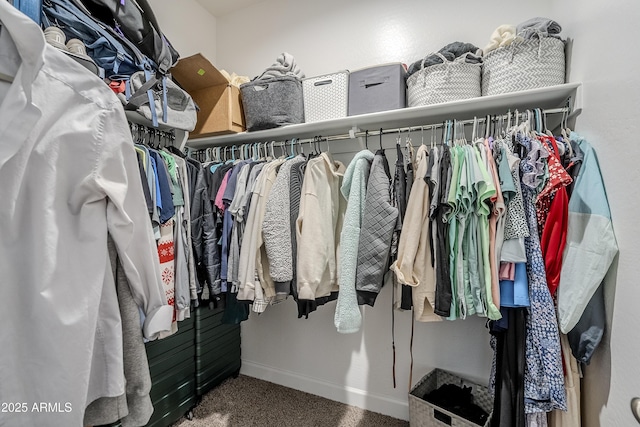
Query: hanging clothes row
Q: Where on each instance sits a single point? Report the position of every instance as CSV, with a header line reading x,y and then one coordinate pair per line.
x,y
182,223
255,259
465,227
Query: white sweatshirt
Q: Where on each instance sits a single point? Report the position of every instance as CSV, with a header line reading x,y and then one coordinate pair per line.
x,y
318,227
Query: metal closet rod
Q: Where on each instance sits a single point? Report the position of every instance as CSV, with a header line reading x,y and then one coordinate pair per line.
x,y
433,126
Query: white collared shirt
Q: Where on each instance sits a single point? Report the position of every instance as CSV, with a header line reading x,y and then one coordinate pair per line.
x,y
68,176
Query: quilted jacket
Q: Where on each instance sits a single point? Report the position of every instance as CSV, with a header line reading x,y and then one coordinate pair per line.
x,y
376,232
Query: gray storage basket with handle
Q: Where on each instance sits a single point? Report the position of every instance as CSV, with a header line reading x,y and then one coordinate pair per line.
x,y
272,103
529,64
426,414
446,82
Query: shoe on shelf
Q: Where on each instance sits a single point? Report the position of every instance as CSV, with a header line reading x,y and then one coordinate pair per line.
x,y
55,37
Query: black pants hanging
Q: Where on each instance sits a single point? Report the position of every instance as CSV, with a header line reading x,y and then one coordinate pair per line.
x,y
508,405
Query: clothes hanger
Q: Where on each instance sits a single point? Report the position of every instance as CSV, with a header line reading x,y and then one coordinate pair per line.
x,y
408,148
141,135
326,138
301,148
291,145
462,134
563,131
455,133
432,135
380,135
366,139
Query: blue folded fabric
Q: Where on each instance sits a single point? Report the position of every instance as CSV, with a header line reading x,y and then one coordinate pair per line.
x,y
515,293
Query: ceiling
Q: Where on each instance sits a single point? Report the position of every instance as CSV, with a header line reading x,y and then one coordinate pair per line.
x,y
222,7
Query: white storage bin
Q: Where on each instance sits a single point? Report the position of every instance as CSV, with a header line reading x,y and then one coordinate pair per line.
x,y
326,97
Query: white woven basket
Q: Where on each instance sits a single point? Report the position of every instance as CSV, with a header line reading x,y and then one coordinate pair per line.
x,y
449,81
326,97
425,414
530,64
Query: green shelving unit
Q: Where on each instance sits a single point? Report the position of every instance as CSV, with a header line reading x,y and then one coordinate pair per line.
x,y
185,366
217,349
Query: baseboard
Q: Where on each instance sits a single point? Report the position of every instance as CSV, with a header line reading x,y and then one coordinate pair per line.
x,y
349,395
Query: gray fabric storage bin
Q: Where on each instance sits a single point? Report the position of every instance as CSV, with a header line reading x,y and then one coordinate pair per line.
x,y
378,88
272,103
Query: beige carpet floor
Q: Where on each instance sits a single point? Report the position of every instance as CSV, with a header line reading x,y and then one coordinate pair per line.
x,y
247,402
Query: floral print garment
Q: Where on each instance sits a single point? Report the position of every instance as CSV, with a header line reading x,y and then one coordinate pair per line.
x,y
544,377
558,177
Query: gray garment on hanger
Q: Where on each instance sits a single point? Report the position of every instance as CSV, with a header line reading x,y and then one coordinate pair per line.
x,y
376,232
182,284
134,408
276,228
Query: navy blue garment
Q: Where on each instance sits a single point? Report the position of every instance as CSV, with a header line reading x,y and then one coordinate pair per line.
x,y
168,209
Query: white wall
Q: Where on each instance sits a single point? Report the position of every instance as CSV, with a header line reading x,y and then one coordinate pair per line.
x,y
189,26
611,82
329,36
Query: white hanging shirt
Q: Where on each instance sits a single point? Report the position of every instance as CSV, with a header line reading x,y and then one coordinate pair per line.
x,y
68,175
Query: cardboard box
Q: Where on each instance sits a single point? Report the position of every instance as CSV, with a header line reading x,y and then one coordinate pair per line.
x,y
219,101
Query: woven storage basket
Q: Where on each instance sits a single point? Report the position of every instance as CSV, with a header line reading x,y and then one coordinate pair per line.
x,y
533,63
326,97
425,414
449,81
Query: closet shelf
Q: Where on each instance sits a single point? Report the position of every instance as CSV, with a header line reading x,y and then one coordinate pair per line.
x,y
547,97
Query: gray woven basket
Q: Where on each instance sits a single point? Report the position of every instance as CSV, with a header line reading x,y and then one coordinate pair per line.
x,y
449,81
425,414
530,64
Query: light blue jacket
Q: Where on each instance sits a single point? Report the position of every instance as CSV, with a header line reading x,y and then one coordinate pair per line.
x,y
354,188
591,242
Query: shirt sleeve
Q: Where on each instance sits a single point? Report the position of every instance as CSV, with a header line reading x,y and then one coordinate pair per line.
x,y
117,176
